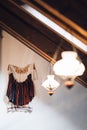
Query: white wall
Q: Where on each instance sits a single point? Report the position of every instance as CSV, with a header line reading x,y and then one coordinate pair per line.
x,y
65,110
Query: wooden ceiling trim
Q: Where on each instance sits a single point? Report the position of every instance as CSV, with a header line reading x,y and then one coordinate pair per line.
x,y
26,42
69,9
34,22
82,82
83,40
29,19
22,28
12,26
71,25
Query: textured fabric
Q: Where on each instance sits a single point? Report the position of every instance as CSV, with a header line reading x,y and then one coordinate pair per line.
x,y
20,93
20,73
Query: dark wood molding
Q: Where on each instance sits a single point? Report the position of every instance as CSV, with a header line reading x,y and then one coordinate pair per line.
x,y
32,33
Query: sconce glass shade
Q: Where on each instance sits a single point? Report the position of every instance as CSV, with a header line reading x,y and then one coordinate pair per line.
x,y
50,84
69,66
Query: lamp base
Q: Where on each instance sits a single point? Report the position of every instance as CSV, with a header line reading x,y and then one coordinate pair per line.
x,y
50,93
69,83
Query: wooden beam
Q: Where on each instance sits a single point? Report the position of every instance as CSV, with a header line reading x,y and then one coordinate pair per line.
x,y
31,33
28,35
68,23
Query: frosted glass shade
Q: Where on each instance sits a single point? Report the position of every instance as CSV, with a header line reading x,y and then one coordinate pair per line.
x,y
50,84
69,66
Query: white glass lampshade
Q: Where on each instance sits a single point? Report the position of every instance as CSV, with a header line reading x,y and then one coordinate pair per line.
x,y
69,66
50,84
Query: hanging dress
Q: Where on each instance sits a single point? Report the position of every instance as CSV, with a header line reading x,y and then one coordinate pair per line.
x,y
20,93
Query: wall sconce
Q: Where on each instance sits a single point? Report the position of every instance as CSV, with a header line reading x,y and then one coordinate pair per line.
x,y
50,84
69,67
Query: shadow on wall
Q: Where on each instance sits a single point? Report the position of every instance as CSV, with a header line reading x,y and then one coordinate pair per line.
x,y
70,105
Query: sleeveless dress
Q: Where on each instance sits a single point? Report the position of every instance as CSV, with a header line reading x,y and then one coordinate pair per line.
x,y
20,93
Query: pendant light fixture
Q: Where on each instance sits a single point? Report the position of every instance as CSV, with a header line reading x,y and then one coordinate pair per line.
x,y
50,84
69,67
